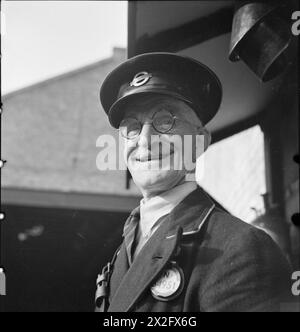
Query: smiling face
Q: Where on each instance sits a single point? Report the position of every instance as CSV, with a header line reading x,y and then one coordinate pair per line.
x,y
154,163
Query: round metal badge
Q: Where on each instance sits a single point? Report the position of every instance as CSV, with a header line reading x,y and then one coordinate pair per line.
x,y
169,285
140,78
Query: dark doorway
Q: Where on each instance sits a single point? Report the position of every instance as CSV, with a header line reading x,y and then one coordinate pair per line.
x,y
52,256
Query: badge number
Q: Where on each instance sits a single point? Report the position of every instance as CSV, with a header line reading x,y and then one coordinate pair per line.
x,y
170,285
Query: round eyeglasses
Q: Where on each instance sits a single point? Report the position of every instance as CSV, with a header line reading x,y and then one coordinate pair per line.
x,y
162,122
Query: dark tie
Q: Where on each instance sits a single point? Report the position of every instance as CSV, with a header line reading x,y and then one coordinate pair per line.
x,y
130,229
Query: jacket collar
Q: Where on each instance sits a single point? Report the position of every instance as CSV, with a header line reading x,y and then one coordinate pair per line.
x,y
134,214
197,203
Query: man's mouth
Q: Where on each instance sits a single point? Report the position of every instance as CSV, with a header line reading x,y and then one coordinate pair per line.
x,y
146,158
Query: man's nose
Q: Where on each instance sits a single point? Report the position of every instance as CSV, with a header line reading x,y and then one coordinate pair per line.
x,y
145,135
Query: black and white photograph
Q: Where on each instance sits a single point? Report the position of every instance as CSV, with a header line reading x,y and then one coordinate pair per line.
x,y
150,158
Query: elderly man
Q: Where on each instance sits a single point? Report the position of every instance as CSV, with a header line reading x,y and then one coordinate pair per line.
x,y
180,252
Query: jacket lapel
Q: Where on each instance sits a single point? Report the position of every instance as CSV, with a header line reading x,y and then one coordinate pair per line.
x,y
120,268
121,265
145,268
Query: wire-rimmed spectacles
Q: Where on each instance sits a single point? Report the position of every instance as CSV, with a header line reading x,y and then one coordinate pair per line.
x,y
162,121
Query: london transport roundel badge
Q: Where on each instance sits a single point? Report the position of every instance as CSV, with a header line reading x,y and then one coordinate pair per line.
x,y
169,285
140,79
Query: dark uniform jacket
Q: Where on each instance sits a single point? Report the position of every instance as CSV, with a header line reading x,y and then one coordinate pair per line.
x,y
227,264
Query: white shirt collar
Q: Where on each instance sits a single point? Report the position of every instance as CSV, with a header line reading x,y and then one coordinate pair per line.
x,y
158,206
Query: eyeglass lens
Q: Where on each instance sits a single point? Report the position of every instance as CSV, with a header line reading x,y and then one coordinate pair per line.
x,y
162,122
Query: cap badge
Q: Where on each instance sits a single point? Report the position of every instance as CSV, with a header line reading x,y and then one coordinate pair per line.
x,y
140,78
169,285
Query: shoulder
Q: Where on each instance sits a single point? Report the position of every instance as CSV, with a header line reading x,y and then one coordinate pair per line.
x,y
228,232
249,265
241,242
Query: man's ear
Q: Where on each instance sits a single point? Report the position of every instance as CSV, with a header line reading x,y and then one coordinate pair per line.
x,y
207,138
203,139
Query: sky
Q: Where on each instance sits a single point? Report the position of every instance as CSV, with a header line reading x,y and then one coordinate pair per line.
x,y
42,39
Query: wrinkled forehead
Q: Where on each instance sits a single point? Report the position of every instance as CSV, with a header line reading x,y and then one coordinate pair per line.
x,y
146,106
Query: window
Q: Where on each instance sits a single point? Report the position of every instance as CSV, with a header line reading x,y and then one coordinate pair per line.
x,y
234,173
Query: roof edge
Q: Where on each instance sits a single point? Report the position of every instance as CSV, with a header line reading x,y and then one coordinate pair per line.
x,y
115,55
